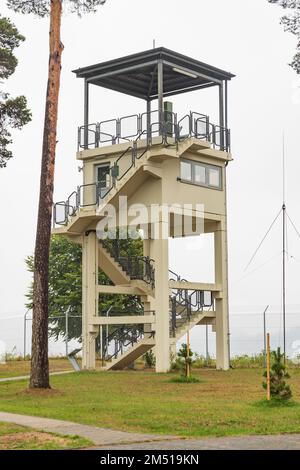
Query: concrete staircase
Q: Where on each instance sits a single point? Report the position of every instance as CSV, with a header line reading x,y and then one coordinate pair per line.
x,y
111,267
145,166
183,325
131,354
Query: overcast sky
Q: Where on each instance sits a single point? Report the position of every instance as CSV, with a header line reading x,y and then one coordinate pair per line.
x,y
243,37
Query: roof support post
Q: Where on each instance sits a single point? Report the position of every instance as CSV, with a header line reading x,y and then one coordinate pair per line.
x,y
86,114
226,104
148,121
160,93
221,111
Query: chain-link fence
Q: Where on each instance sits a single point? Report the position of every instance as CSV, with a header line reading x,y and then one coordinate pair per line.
x,y
15,334
246,333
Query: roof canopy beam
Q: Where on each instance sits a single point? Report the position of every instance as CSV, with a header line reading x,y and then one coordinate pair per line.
x,y
137,73
193,72
183,90
119,71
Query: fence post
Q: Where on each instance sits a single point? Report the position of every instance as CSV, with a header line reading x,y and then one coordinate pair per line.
x,y
25,336
268,368
67,333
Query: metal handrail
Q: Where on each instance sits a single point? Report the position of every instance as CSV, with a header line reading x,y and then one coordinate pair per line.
x,y
177,277
219,137
136,267
188,303
168,126
123,337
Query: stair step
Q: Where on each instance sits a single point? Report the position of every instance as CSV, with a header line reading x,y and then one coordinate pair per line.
x,y
131,354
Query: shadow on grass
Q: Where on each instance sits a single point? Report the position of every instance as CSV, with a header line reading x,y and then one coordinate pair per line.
x,y
273,403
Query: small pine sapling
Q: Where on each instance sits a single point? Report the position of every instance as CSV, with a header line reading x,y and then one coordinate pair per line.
x,y
279,389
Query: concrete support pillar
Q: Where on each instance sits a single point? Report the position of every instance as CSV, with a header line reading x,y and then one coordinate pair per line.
x,y
89,298
221,277
159,252
147,301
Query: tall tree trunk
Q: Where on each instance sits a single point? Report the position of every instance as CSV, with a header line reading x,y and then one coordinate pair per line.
x,y
39,377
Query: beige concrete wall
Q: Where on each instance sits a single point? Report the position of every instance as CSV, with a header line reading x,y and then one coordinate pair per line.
x,y
174,191
164,188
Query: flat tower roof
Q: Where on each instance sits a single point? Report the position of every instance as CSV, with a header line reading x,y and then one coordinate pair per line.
x,y
137,74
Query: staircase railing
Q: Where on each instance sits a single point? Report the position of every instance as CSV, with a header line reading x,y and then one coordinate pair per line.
x,y
136,267
88,195
121,338
185,304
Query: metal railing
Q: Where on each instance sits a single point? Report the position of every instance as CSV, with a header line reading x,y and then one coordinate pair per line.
x,y
184,303
91,194
121,338
167,130
136,267
150,125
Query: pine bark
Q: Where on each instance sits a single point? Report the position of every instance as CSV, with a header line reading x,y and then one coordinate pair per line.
x,y
39,376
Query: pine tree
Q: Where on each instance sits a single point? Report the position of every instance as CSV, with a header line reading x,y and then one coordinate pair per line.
x,y
39,375
291,23
183,353
13,111
279,389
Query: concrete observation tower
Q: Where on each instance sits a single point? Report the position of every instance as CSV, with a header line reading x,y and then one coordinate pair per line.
x,y
174,168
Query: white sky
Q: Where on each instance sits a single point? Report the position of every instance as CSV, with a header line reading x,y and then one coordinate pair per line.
x,y
243,37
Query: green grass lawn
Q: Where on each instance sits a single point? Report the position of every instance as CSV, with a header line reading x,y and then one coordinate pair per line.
x,y
222,403
19,368
13,437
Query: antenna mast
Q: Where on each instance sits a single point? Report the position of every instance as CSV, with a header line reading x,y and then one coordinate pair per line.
x,y
284,251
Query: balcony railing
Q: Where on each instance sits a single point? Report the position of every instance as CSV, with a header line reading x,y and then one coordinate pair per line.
x,y
167,131
168,127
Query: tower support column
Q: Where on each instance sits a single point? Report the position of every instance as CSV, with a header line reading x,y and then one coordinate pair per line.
x,y
221,277
159,252
89,298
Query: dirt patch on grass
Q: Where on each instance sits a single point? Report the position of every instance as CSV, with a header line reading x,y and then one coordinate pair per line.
x,y
24,439
43,393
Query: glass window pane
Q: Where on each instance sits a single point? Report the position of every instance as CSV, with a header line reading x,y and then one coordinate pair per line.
x,y
200,174
214,177
186,171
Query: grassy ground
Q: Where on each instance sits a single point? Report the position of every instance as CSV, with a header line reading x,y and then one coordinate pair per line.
x,y
13,437
222,403
19,368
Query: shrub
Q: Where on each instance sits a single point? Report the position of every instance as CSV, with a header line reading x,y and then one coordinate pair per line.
x,y
149,359
279,389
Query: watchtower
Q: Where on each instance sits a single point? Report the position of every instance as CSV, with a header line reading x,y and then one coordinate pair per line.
x,y
165,174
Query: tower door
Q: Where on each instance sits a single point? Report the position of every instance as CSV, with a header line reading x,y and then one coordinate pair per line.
x,y
103,179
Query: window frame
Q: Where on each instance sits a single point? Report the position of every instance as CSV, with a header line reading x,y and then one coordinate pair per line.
x,y
188,162
207,167
99,165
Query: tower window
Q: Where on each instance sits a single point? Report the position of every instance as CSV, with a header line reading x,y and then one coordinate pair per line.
x,y
201,174
186,170
103,178
214,177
